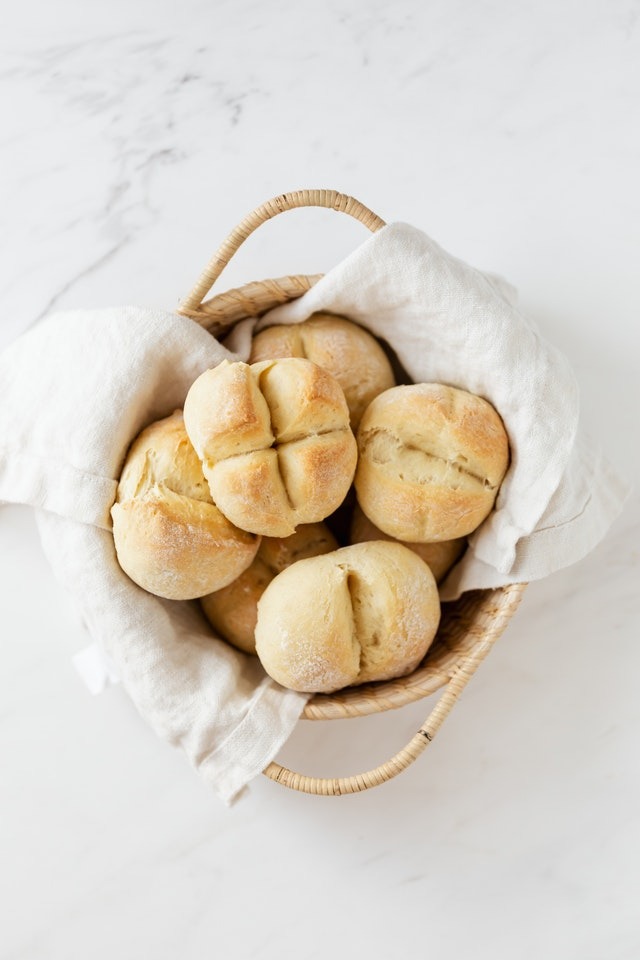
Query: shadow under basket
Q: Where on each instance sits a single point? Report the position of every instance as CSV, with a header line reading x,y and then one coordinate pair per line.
x,y
469,626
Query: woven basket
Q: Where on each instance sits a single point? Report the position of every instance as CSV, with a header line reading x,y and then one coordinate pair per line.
x,y
469,627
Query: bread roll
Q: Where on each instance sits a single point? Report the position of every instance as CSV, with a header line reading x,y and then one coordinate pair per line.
x,y
439,557
274,440
170,537
365,612
232,611
431,460
350,354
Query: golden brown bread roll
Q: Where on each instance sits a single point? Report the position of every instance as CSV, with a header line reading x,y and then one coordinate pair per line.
x,y
350,354
365,612
232,611
170,537
439,557
274,440
431,460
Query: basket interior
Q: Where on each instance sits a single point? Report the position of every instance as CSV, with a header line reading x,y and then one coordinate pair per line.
x,y
468,625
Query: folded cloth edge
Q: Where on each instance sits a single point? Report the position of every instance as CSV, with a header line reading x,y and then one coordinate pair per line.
x,y
269,703
48,484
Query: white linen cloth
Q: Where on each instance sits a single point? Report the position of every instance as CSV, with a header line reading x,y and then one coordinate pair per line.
x,y
450,323
76,389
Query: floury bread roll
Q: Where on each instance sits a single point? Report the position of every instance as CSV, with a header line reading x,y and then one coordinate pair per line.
x,y
362,613
431,461
170,537
350,354
439,557
274,441
232,611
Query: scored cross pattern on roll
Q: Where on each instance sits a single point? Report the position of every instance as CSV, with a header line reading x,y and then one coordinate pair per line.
x,y
274,441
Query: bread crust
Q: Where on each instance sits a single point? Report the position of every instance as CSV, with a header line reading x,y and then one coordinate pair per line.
x,y
281,452
233,611
361,613
170,537
431,460
349,352
439,557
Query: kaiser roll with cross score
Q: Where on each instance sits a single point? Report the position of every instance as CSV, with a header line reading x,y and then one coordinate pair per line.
x,y
274,440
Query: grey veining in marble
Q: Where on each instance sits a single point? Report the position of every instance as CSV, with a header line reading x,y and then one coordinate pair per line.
x,y
133,137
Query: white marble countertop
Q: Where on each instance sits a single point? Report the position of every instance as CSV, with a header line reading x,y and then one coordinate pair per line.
x,y
134,136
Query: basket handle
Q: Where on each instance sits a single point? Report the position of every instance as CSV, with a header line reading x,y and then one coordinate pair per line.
x,y
330,199
336,786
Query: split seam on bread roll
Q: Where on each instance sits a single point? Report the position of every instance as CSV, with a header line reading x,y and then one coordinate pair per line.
x,y
431,460
419,465
361,613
